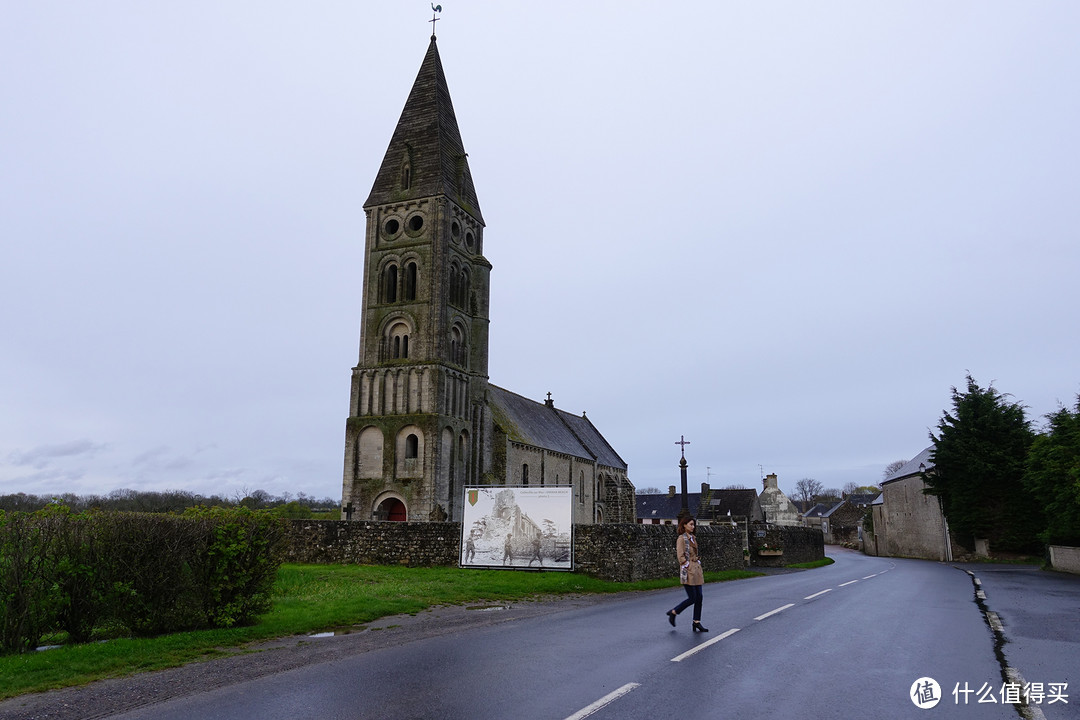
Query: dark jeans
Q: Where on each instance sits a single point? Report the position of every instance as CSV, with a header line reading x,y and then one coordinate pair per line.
x,y
693,597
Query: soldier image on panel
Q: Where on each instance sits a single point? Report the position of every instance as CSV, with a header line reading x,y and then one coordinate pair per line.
x,y
536,551
508,549
470,549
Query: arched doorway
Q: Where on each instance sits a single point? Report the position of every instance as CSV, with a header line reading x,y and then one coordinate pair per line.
x,y
391,509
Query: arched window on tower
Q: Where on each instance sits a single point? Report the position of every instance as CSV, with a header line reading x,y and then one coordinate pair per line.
x,y
525,474
455,283
463,289
459,350
390,282
412,447
410,282
397,341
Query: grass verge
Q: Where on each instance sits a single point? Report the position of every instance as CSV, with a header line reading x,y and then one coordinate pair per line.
x,y
307,599
814,564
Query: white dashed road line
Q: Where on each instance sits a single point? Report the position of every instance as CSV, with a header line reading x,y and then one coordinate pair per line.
x,y
702,646
606,700
629,687
773,612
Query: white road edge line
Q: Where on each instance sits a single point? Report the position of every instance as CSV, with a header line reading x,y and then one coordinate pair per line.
x,y
811,597
773,612
849,582
702,646
606,700
1033,712
870,576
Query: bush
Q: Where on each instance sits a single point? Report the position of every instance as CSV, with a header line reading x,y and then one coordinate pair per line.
x,y
28,593
149,573
236,571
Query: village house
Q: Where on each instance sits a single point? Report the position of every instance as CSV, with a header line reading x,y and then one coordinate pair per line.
x,y
906,521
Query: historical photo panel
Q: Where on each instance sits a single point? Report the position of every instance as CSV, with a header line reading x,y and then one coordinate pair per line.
x,y
517,527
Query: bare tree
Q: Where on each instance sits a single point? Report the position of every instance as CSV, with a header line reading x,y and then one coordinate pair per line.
x,y
807,489
893,467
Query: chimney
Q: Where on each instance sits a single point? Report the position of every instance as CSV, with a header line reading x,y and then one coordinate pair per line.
x,y
769,481
671,491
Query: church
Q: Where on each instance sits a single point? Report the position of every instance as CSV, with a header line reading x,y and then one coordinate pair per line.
x,y
424,422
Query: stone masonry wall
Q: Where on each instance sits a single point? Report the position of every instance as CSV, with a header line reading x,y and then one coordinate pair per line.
x,y
620,552
415,544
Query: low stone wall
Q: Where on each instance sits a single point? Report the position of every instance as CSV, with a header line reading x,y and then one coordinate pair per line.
x,y
1064,558
415,544
800,544
622,552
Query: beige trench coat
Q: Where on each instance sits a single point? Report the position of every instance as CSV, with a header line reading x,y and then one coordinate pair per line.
x,y
686,550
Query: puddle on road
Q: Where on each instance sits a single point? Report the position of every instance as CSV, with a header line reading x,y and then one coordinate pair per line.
x,y
487,608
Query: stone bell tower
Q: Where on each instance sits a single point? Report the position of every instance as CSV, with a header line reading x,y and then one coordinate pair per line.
x,y
418,407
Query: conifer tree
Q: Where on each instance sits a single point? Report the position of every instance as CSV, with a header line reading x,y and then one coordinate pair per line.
x,y
979,457
1053,476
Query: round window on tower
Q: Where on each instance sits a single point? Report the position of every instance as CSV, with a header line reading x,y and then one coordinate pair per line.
x,y
415,224
455,231
391,227
470,240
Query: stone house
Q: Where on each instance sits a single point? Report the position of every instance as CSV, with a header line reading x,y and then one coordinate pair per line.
x,y
663,508
907,522
424,421
776,506
814,514
708,506
842,522
722,505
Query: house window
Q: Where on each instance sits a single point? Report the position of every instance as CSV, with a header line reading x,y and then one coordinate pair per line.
x,y
525,474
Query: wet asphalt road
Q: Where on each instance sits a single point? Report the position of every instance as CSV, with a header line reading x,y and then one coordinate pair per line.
x,y
843,641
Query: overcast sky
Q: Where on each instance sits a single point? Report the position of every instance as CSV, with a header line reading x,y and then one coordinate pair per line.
x,y
783,230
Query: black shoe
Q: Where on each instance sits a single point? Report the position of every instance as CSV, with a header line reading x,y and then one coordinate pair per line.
x,y
698,627
671,617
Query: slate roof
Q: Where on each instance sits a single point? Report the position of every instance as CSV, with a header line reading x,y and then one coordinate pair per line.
x,y
543,426
861,499
740,503
911,467
427,132
822,509
662,507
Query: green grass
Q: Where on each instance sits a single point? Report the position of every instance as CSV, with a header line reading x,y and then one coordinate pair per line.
x,y
814,563
307,599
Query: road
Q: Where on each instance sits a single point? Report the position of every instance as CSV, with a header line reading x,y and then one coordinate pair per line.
x,y
843,641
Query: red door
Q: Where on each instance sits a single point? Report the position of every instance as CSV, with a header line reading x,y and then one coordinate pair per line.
x,y
393,510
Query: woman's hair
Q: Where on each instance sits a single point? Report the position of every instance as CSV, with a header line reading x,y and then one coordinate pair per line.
x,y
682,523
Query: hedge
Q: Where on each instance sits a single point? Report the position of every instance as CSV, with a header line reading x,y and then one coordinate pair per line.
x,y
136,573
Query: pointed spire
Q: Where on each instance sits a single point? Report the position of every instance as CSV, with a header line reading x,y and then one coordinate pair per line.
x,y
426,156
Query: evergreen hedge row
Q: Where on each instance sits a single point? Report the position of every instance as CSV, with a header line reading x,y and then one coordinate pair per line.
x,y
133,573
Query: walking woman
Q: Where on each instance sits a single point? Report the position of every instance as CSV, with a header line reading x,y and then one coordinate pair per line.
x,y
690,573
